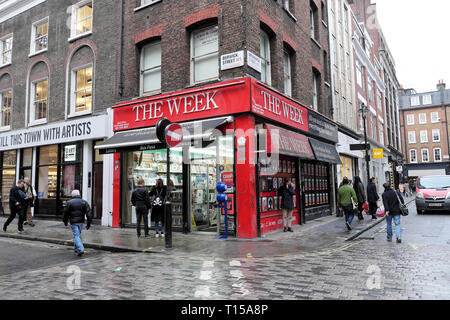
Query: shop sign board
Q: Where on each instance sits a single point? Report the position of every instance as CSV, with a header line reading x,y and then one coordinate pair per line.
x,y
232,60
322,127
377,153
325,152
55,133
270,104
220,99
228,178
283,141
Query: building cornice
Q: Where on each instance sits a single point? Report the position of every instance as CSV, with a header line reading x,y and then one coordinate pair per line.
x,y
12,8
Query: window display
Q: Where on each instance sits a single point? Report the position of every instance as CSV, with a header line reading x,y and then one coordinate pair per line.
x,y
315,184
8,176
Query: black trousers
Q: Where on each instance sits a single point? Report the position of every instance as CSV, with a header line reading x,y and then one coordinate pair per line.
x,y
373,209
21,215
141,213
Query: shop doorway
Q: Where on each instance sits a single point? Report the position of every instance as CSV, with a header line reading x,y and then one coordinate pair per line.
x,y
97,187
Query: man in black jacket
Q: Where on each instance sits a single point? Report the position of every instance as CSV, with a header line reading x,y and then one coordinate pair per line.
x,y
16,201
141,200
287,193
372,197
392,210
75,211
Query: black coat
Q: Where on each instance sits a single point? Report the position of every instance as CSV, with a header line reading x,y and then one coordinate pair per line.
x,y
287,194
372,194
75,211
158,196
16,195
359,190
391,203
140,198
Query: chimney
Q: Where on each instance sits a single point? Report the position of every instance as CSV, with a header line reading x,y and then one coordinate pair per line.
x,y
440,85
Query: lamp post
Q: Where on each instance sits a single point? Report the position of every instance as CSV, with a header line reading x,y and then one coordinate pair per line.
x,y
363,111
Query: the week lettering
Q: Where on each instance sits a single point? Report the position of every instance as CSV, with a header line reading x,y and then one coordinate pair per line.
x,y
282,108
188,104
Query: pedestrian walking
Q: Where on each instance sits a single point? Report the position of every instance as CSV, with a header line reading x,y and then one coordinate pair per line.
x,y
141,201
345,199
391,202
158,196
412,187
16,202
361,195
75,212
286,192
30,195
372,197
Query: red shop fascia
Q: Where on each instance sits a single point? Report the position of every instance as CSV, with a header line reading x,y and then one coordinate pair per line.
x,y
253,105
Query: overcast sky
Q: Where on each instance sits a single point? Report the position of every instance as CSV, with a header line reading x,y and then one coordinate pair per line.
x,y
418,36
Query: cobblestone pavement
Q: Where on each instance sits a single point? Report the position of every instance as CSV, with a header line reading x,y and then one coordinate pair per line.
x,y
366,268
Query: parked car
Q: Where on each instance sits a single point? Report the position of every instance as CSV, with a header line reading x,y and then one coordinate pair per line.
x,y
433,193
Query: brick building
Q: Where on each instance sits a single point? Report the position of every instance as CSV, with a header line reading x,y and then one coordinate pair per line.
x,y
265,64
55,86
424,129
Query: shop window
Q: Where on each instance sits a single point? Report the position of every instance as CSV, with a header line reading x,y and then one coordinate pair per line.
x,y
82,17
6,108
26,163
151,68
82,90
7,176
287,73
39,36
205,54
6,50
315,184
265,58
38,103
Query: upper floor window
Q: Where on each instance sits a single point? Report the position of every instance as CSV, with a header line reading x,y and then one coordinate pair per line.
x,y
381,133
146,2
39,101
286,4
151,68
379,99
82,90
436,133
204,54
313,20
437,155
370,88
359,74
410,119
39,36
423,136
411,137
265,57
287,74
426,99
434,117
415,100
82,16
425,157
413,156
315,90
422,118
6,50
6,106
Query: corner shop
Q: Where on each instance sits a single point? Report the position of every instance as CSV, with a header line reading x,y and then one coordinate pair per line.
x,y
241,130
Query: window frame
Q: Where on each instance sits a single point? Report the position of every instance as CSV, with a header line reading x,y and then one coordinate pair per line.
x,y
437,116
427,152
440,154
415,155
427,101
32,108
2,51
74,20
7,127
142,72
287,72
192,58
73,76
415,101
408,118
409,137
315,91
266,59
421,136
439,135
425,120
33,36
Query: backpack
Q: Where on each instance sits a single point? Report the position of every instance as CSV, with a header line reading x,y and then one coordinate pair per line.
x,y
157,201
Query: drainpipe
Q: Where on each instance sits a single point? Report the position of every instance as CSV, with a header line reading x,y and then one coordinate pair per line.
x,y
121,49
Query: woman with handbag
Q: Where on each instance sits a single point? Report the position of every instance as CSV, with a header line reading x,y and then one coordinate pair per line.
x,y
361,195
393,205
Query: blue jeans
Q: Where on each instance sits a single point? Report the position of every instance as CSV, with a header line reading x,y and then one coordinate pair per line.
x,y
76,230
157,226
398,228
349,213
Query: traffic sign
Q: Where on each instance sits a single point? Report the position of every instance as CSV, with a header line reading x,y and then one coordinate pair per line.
x,y
360,146
173,134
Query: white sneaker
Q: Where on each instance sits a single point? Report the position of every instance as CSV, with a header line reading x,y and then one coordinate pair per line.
x,y
162,235
157,235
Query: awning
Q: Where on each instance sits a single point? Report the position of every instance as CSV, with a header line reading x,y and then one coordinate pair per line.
x,y
286,142
146,139
325,152
429,172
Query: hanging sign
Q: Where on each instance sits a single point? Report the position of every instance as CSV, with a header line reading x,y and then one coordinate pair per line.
x,y
377,153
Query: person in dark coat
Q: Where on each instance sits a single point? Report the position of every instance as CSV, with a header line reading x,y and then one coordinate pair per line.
x,y
287,203
392,210
158,195
29,201
16,203
372,198
361,195
141,200
76,210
